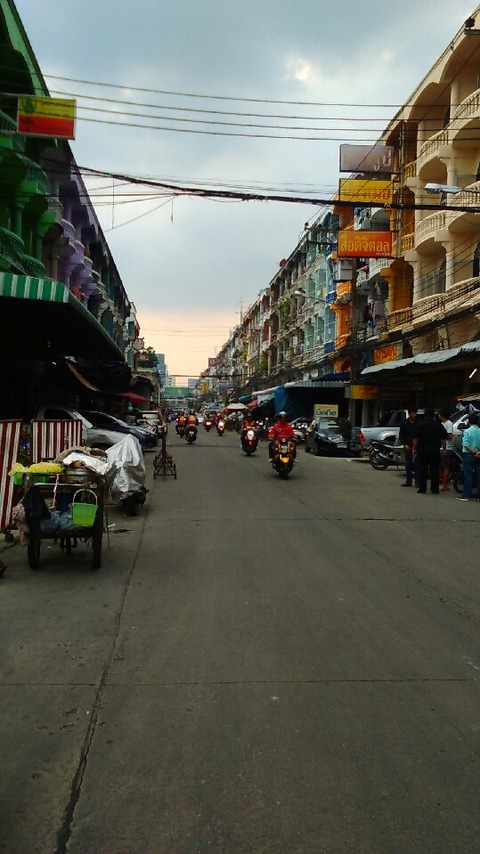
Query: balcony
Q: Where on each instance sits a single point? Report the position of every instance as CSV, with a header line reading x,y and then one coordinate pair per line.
x,y
427,308
469,198
468,110
427,229
11,246
399,319
432,147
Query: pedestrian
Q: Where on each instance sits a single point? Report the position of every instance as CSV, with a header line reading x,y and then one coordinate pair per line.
x,y
471,457
406,434
447,453
429,437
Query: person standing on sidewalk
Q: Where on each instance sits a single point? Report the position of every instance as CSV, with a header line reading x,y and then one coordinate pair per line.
x,y
447,453
406,434
429,437
471,457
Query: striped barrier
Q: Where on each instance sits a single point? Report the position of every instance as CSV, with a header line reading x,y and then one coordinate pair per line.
x,y
49,438
10,435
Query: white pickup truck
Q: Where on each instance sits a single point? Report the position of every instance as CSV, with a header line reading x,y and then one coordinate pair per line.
x,y
387,429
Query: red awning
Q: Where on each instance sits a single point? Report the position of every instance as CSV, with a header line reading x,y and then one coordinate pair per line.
x,y
253,403
134,397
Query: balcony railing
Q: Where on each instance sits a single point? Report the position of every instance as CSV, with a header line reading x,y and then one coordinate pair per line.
x,y
468,109
427,306
429,226
432,146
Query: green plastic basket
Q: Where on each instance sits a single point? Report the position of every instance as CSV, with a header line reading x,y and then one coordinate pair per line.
x,y
83,513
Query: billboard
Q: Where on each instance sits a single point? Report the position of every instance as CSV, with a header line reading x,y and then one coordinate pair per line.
x,y
360,191
364,244
46,116
366,158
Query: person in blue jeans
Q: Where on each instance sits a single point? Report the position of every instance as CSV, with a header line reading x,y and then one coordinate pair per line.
x,y
471,457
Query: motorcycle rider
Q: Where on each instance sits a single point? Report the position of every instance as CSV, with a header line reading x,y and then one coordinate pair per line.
x,y
191,420
181,420
248,423
281,430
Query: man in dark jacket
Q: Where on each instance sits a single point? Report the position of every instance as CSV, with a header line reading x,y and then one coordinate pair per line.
x,y
406,434
430,436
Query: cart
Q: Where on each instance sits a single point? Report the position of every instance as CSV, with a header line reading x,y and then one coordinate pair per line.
x,y
66,488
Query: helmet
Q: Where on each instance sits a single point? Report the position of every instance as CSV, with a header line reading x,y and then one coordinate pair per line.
x,y
282,414
191,412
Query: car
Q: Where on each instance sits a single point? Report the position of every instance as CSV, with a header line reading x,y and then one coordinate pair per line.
x,y
104,421
333,436
152,417
94,437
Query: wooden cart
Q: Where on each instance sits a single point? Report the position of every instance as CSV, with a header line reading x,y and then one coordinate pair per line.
x,y
65,488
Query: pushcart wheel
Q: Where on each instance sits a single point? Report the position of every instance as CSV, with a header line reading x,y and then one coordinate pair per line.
x,y
97,533
33,547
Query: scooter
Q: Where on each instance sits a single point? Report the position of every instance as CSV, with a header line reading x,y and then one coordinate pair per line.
x,y
283,457
249,441
384,454
208,424
191,433
220,426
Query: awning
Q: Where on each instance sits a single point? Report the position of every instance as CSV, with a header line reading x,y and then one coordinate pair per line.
x,y
135,398
428,361
321,382
43,316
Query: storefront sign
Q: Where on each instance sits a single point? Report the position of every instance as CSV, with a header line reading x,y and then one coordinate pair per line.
x,y
364,192
366,158
46,116
365,392
325,410
389,353
364,244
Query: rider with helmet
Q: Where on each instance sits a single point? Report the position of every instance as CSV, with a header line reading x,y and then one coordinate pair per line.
x,y
282,429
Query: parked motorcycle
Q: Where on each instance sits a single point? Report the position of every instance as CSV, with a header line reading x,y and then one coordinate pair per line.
x,y
249,441
220,426
384,454
283,457
208,424
191,433
126,474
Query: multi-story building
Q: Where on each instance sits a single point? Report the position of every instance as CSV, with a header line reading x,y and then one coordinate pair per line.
x,y
404,329
60,291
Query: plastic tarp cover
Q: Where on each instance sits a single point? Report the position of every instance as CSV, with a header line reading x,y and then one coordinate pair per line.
x,y
126,469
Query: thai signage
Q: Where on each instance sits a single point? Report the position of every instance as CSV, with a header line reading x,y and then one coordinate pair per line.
x,y
364,244
325,410
366,158
46,116
359,191
389,353
365,392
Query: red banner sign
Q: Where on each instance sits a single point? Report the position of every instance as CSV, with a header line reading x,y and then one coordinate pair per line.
x,y
364,244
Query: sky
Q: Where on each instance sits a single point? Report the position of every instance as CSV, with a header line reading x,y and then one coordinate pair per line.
x,y
226,69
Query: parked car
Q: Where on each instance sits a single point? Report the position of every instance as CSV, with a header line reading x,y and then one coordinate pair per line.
x,y
333,436
104,421
94,437
152,417
388,428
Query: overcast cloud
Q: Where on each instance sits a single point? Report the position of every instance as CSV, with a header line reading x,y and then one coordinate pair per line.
x,y
191,265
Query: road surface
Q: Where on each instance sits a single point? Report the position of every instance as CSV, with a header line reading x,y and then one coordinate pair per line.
x,y
259,666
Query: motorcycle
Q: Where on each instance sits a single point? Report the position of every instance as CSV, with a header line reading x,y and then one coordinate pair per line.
x,y
126,474
180,429
283,457
220,426
249,441
191,433
208,424
384,454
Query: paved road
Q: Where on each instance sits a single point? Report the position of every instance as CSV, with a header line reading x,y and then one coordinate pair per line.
x,y
259,666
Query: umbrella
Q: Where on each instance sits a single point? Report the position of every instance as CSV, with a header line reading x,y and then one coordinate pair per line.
x,y
235,407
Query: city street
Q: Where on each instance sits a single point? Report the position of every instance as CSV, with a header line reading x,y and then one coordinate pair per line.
x,y
259,666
